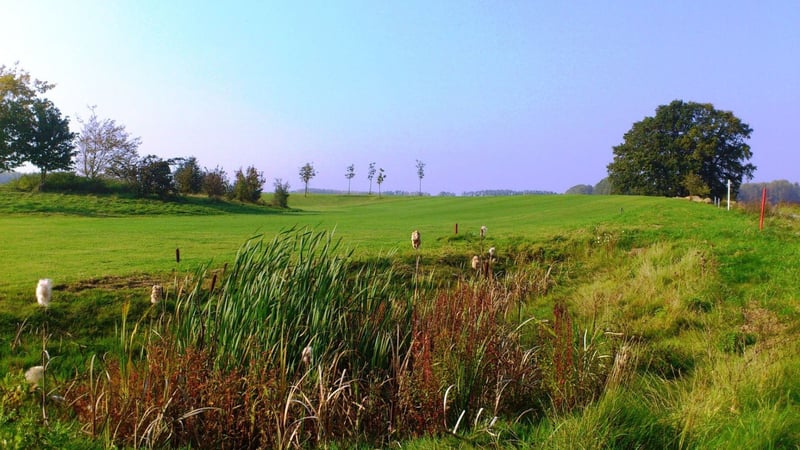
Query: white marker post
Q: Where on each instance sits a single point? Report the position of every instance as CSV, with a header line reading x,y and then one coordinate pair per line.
x,y
729,195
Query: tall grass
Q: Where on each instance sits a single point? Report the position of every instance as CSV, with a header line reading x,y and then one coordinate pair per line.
x,y
295,346
293,292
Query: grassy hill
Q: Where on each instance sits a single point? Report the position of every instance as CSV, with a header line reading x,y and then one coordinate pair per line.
x,y
69,238
682,316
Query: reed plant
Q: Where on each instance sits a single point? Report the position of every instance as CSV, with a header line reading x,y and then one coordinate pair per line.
x,y
295,291
294,345
291,347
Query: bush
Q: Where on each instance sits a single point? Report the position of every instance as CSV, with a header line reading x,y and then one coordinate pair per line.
x,y
215,183
281,196
188,177
248,186
154,177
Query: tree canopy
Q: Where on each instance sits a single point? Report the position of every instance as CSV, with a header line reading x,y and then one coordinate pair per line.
x,y
687,148
188,176
18,97
248,185
49,142
420,174
307,172
349,174
105,148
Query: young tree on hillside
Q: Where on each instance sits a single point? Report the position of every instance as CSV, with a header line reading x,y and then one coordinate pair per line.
x,y
281,196
50,144
381,178
420,174
371,175
215,183
106,148
248,185
349,174
188,176
307,172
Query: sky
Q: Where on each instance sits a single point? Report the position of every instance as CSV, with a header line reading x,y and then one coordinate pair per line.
x,y
520,95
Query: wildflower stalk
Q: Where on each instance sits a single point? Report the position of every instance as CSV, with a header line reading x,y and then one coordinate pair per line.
x,y
45,361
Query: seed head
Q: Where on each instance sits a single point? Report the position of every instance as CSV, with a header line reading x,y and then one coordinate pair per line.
x,y
415,240
483,231
307,355
492,252
44,290
475,262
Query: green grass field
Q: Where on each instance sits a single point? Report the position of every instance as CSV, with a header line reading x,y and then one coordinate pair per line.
x,y
696,300
67,240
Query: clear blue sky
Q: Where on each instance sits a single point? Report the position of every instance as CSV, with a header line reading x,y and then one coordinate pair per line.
x,y
489,94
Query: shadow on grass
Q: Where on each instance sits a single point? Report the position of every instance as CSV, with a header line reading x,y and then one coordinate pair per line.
x,y
115,205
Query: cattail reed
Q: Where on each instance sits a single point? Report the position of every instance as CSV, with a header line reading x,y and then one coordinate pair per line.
x,y
476,262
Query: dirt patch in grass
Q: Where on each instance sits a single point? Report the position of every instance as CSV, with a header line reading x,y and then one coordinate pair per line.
x,y
112,282
763,323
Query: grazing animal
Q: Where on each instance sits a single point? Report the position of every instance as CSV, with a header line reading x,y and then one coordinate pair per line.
x,y
44,291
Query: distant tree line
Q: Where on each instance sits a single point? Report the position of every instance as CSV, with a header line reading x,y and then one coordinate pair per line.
x,y
103,156
778,191
503,192
603,187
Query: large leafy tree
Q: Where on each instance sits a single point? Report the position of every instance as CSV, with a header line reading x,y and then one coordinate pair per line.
x,y
18,95
105,148
50,143
686,148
